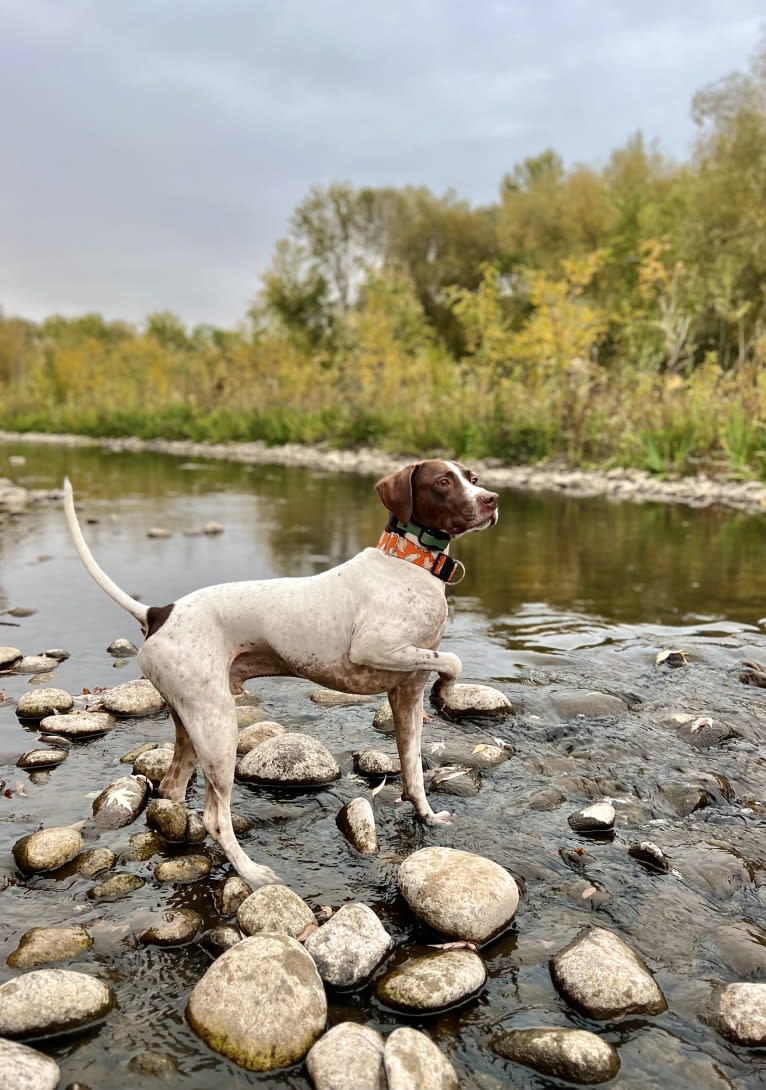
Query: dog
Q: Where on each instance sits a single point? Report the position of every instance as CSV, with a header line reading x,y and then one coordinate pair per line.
x,y
371,625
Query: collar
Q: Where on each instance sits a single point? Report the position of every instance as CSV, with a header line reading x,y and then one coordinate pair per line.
x,y
426,552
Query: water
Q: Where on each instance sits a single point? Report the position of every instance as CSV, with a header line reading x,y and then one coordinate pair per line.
x,y
563,597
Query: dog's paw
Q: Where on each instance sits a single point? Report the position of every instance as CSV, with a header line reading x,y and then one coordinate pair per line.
x,y
262,876
444,817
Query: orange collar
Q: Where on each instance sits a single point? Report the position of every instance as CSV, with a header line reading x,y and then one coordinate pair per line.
x,y
435,561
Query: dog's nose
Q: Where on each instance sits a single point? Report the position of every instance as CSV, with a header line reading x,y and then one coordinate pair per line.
x,y
489,499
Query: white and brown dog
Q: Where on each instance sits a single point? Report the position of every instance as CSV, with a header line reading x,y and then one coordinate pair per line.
x,y
370,625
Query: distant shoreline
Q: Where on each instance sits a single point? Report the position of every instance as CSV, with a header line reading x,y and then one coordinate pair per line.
x,y
632,485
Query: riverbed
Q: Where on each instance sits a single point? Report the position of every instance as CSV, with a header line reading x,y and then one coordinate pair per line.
x,y
568,600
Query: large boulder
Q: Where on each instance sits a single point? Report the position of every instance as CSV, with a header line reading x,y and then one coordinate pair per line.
x,y
50,1001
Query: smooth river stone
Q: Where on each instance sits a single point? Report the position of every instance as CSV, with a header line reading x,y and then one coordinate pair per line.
x,y
576,1055
134,698
254,733
598,818
174,928
184,869
79,725
412,1060
356,821
9,656
603,978
36,664
121,802
48,1001
274,908
42,945
168,818
153,763
466,700
738,1011
116,886
348,947
261,1004
40,703
459,894
47,849
372,762
443,978
290,759
24,1068
347,1057
41,758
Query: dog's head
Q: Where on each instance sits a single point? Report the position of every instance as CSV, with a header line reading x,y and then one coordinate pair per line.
x,y
439,495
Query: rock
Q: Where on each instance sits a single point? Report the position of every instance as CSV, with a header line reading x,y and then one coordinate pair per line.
x,y
371,762
433,982
212,527
47,849
185,869
41,758
79,725
684,798
741,946
673,659
9,656
347,1057
261,1004
347,948
576,1055
39,703
143,846
134,698
35,664
254,733
383,720
603,978
23,1068
57,653
121,802
153,764
175,928
479,755
122,648
115,886
235,891
47,1001
589,705
168,818
153,1065
289,759
195,827
357,823
275,908
597,819
220,939
738,1012
159,532
131,757
247,714
95,860
650,856
412,1060
462,783
466,701
45,944
330,698
459,894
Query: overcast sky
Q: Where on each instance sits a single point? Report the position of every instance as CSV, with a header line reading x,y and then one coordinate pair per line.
x,y
152,151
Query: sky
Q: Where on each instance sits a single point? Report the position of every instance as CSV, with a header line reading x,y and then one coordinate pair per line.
x,y
152,151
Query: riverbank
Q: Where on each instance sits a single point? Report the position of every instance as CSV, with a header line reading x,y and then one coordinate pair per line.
x,y
619,484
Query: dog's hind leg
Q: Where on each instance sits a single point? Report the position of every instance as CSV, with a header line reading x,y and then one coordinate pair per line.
x,y
406,702
176,779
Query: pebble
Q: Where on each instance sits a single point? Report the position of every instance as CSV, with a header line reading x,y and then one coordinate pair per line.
x,y
79,725
185,869
175,928
121,802
466,701
45,944
383,720
41,758
433,982
412,1060
459,894
116,886
133,698
650,856
122,648
154,763
40,703
289,759
597,819
47,849
348,1057
274,908
738,1011
576,1055
347,948
57,653
47,1001
235,891
601,976
220,939
254,733
168,818
356,821
371,762
24,1068
261,1004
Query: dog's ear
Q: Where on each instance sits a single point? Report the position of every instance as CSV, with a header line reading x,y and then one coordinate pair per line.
x,y
395,492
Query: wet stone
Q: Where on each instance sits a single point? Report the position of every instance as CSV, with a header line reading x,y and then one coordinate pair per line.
x,y
121,802
738,1011
131,757
220,939
274,908
9,656
154,1065
347,948
459,894
195,828
95,860
347,1057
261,1004
248,714
289,759
79,725
35,664
650,856
41,758
330,698
47,849
461,783
143,846
466,701
134,698
371,762
357,823
479,755
412,1060
597,819
588,705
254,733
168,818
186,868
57,653
576,1055
24,1068
684,798
601,976
46,1001
383,720
235,891
122,648
176,927
741,947
433,982
42,945
153,764
116,886
40,703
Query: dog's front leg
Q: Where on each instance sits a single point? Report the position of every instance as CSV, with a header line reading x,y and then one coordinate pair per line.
x,y
406,702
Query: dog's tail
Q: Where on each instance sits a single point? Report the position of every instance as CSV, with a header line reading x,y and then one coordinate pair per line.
x,y
136,609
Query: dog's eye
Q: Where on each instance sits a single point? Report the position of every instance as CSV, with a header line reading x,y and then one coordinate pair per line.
x,y
474,479
444,482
